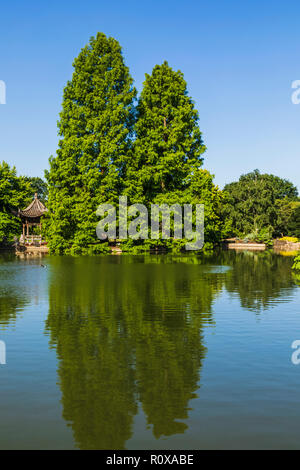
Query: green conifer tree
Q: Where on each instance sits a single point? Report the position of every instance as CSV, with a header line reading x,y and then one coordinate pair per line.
x,y
168,142
95,128
168,153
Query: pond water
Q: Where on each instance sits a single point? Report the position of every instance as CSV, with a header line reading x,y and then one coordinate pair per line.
x,y
149,352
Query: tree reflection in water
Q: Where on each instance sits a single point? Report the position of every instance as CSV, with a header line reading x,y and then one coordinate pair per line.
x,y
129,331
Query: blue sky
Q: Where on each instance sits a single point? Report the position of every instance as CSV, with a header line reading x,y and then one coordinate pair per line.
x,y
238,58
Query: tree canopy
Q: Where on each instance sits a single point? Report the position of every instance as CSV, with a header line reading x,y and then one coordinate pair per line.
x,y
95,128
253,202
152,152
293,224
165,165
168,145
108,148
39,186
14,194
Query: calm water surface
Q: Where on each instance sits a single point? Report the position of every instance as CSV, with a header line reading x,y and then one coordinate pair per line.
x,y
154,352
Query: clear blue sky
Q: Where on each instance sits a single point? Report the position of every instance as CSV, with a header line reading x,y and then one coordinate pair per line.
x,y
239,60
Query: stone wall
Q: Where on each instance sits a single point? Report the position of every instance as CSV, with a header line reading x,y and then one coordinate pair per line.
x,y
280,245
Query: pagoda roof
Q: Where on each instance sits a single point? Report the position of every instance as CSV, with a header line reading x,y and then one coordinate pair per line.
x,y
35,209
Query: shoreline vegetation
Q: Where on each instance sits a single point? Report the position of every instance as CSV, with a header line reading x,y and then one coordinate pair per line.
x,y
114,248
148,148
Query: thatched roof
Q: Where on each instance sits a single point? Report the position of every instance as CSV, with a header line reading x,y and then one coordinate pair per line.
x,y
35,209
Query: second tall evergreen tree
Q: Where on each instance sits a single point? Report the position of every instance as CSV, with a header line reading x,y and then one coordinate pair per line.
x,y
168,146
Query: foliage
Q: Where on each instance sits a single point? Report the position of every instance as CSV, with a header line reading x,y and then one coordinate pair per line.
x,y
296,265
294,223
97,160
95,128
165,166
39,186
253,202
152,153
289,239
287,216
260,236
14,194
168,145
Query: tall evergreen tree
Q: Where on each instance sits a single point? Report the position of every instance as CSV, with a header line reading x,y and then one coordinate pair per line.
x,y
95,128
168,151
168,144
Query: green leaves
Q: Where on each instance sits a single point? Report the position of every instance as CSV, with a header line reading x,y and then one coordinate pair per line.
x,y
108,148
293,223
168,143
296,265
165,165
15,193
96,125
254,203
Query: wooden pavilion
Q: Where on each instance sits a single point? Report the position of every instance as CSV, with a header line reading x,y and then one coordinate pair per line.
x,y
31,217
